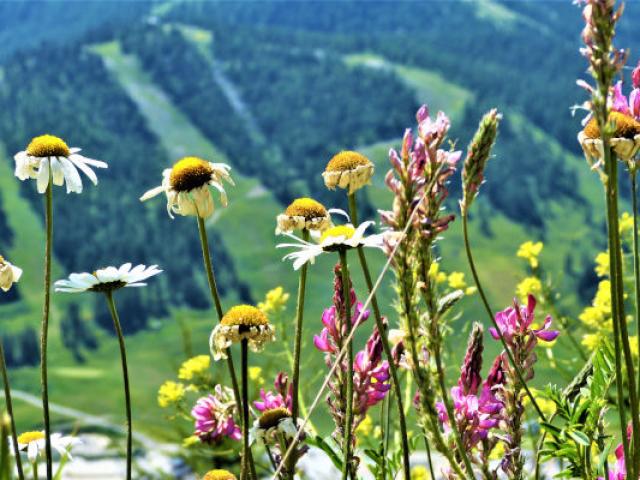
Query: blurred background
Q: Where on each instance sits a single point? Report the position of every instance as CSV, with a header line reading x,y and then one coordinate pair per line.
x,y
274,89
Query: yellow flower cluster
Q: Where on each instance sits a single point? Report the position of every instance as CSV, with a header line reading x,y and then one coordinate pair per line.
x,y
597,316
170,393
255,375
529,285
194,367
275,302
530,251
602,264
457,282
419,473
626,223
435,274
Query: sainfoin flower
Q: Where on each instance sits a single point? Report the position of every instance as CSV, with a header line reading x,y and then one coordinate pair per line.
x,y
107,279
303,213
9,274
242,322
334,239
282,397
47,157
33,443
348,170
187,186
214,414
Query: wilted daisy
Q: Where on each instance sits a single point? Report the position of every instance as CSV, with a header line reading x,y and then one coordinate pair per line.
x,y
334,239
242,322
219,475
9,274
107,279
49,152
349,170
625,141
186,186
271,424
34,444
303,213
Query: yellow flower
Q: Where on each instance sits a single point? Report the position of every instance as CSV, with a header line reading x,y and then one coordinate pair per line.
x,y
255,375
602,264
275,301
194,367
626,223
419,473
529,285
191,441
547,406
242,322
498,452
456,281
303,213
219,475
366,427
530,251
170,393
349,170
435,274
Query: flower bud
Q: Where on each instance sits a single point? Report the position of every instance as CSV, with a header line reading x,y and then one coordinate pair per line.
x,y
470,378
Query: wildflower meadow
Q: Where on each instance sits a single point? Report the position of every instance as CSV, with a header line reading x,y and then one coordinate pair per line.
x,y
384,396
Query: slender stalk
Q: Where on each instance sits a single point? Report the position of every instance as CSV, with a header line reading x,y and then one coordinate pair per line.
x,y
617,308
429,459
636,257
35,470
348,419
384,434
8,402
213,289
44,333
397,387
245,408
125,377
472,266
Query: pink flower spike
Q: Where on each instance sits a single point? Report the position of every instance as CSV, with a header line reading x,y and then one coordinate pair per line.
x,y
635,76
619,101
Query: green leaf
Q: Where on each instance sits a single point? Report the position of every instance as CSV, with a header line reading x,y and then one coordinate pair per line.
x,y
319,442
579,437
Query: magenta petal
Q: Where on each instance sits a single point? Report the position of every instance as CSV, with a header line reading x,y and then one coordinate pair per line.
x,y
547,335
494,333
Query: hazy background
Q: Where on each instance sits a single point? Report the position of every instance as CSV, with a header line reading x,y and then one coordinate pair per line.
x,y
273,89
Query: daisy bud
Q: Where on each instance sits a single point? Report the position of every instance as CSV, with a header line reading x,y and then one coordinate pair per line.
x,y
478,153
9,274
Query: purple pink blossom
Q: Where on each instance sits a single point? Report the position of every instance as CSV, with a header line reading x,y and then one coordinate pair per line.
x,y
213,416
281,398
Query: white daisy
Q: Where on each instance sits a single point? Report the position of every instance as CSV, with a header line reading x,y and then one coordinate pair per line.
x,y
349,170
332,240
303,213
273,423
186,186
625,141
34,444
242,322
48,152
9,274
107,279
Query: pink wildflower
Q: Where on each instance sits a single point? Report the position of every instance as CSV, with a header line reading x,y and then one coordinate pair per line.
x,y
213,416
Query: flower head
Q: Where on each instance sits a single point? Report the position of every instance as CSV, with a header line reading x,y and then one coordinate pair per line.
x,y
213,416
219,475
194,367
334,239
47,157
281,398
349,170
625,140
275,301
187,186
273,423
303,213
170,393
34,444
530,251
9,274
107,279
528,286
242,322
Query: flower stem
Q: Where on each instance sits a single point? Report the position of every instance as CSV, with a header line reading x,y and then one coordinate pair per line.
x,y
213,289
125,377
35,470
472,266
44,333
636,258
245,408
348,419
297,346
9,404
353,211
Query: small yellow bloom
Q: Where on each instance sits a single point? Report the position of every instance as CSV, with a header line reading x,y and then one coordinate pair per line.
x,y
275,301
547,406
194,367
219,475
602,264
626,223
457,281
435,274
498,452
255,375
529,285
170,393
366,427
419,472
530,251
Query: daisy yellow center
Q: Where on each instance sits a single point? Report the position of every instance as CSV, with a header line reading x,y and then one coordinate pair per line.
x,y
338,231
219,475
347,160
307,208
626,126
29,437
190,173
244,315
271,418
48,146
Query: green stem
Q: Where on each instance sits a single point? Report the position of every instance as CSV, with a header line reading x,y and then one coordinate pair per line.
x,y
472,266
245,408
44,333
636,257
9,404
125,377
384,434
35,470
429,459
213,289
397,387
617,307
348,420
